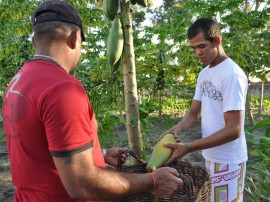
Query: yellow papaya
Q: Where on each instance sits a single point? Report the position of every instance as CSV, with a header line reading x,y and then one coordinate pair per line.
x,y
110,8
160,154
115,42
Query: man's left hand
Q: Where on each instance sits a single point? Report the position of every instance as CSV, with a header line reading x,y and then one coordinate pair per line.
x,y
111,157
179,151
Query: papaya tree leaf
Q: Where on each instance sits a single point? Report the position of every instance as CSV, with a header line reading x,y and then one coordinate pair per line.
x,y
260,124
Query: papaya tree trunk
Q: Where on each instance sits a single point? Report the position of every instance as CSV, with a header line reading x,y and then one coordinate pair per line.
x,y
118,98
130,84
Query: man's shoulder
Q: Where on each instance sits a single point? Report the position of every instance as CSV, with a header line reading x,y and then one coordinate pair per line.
x,y
233,69
49,78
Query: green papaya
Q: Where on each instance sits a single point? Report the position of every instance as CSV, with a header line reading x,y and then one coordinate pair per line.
x,y
116,66
110,8
142,2
115,42
160,154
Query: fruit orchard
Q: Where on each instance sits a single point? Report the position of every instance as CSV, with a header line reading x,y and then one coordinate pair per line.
x,y
157,60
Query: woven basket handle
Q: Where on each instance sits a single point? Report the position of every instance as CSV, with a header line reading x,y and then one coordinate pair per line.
x,y
189,184
131,153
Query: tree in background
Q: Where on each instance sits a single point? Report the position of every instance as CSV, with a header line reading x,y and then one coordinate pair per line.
x,y
246,38
245,26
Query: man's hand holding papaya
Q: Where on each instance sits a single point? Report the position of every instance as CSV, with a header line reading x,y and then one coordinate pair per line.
x,y
179,151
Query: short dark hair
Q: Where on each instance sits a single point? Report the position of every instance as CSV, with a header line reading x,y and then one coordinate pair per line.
x,y
209,27
49,31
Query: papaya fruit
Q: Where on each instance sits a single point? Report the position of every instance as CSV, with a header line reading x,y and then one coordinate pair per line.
x,y
110,8
115,42
160,154
142,2
115,67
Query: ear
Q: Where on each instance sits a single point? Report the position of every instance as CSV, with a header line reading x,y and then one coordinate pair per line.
x,y
217,40
72,39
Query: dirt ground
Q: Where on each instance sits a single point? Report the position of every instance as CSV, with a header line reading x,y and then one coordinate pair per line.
x,y
7,188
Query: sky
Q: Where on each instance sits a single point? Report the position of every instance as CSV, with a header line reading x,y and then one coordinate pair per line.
x,y
157,3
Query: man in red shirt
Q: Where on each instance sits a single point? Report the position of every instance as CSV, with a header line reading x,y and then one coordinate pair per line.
x,y
50,126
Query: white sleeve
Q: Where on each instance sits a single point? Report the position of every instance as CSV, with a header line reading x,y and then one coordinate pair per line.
x,y
234,93
198,93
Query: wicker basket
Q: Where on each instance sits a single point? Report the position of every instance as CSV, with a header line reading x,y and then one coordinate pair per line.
x,y
197,184
204,194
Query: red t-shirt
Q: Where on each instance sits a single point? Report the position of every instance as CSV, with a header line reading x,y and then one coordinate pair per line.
x,y
46,113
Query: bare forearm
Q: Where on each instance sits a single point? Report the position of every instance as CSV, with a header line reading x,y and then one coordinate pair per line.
x,y
230,132
189,119
82,179
114,184
218,138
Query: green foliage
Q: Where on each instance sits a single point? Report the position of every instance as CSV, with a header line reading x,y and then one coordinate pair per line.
x,y
255,102
248,33
245,39
16,31
147,142
258,185
170,105
267,104
176,103
169,122
15,46
102,94
160,80
106,126
2,137
145,109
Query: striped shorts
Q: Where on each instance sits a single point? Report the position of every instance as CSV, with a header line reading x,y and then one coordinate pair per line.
x,y
227,181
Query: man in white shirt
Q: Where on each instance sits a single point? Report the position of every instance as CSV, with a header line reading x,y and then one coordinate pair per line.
x,y
219,100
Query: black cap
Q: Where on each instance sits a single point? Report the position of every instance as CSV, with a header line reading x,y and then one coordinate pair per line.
x,y
57,10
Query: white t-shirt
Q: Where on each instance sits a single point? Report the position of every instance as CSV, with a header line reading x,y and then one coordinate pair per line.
x,y
220,89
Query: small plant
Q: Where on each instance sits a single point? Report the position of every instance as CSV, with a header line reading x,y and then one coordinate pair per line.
x,y
258,183
168,122
266,103
145,109
174,103
148,142
254,100
106,126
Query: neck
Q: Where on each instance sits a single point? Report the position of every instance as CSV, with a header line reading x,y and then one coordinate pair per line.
x,y
221,56
49,58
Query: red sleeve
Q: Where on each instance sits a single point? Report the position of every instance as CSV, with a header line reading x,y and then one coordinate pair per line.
x,y
68,118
